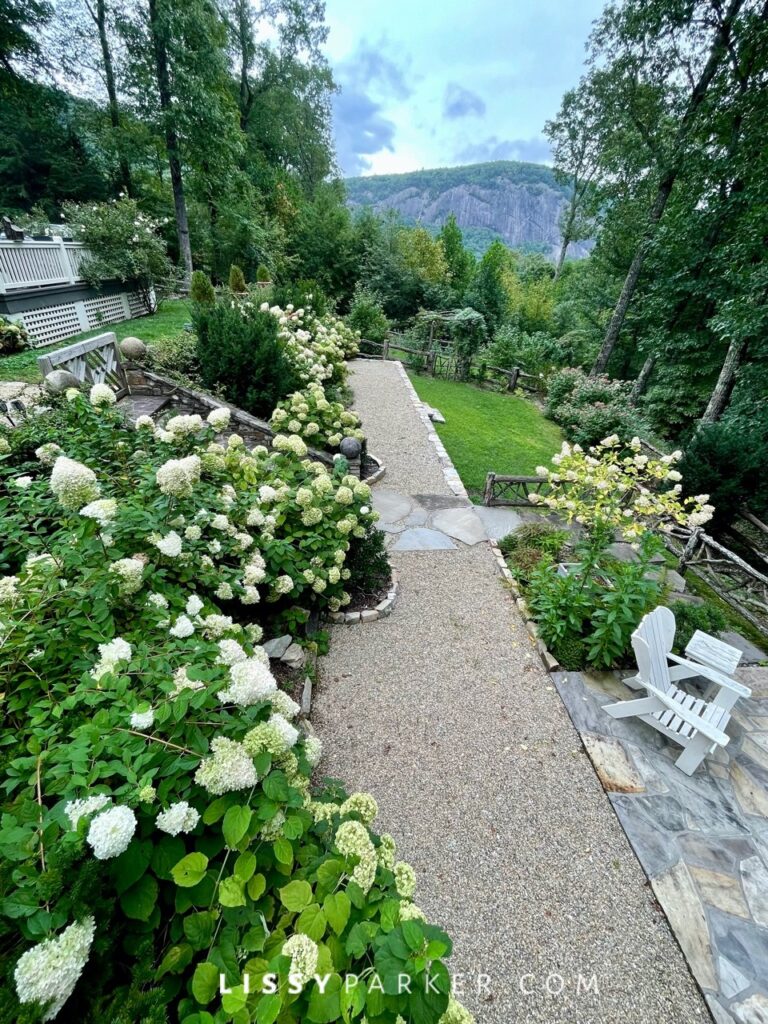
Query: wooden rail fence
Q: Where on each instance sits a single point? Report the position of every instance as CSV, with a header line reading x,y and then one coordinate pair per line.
x,y
440,360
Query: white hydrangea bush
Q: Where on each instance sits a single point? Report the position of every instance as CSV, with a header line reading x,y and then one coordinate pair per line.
x,y
160,824
320,422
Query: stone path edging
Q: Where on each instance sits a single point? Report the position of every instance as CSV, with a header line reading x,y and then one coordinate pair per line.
x,y
382,609
377,474
452,478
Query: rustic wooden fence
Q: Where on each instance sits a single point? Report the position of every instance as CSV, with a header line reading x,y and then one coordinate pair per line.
x,y
439,360
735,581
512,490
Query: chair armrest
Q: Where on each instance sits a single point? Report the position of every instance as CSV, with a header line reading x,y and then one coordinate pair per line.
x,y
688,716
712,675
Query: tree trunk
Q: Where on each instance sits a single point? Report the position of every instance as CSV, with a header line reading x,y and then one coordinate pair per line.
x,y
725,382
717,53
642,380
566,241
171,143
100,17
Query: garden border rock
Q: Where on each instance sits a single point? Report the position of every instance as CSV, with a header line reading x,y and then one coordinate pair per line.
x,y
381,611
377,474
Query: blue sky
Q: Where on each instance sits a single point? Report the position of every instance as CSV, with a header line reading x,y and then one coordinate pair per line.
x,y
433,83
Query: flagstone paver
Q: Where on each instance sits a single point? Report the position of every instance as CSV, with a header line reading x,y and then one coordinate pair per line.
x,y
444,713
700,839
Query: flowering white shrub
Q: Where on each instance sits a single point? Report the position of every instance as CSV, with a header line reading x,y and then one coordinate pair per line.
x,y
605,488
322,423
157,785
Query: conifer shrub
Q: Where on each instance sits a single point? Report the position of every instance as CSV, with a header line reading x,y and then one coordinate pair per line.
x,y
201,290
242,356
237,280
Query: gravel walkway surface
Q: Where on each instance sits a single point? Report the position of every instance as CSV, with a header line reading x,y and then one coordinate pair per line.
x,y
443,712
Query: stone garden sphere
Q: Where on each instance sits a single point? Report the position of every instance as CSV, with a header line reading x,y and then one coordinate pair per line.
x,y
350,448
133,349
59,381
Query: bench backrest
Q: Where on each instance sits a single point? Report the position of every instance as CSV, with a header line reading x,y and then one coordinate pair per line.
x,y
95,361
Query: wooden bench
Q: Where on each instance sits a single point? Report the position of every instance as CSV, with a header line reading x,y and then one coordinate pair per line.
x,y
97,361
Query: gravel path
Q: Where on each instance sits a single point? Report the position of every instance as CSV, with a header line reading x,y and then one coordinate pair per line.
x,y
445,715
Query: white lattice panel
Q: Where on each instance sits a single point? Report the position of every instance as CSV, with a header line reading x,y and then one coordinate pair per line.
x,y
105,309
136,304
50,323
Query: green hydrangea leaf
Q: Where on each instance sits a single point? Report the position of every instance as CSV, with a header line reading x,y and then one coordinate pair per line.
x,y
190,870
296,895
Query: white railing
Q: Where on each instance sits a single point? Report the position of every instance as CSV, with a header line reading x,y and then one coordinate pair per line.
x,y
31,264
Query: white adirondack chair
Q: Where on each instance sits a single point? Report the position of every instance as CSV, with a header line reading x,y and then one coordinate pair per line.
x,y
697,723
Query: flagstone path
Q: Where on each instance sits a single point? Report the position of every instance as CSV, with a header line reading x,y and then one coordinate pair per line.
x,y
444,713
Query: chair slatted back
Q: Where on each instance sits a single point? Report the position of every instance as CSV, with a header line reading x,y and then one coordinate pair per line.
x,y
652,641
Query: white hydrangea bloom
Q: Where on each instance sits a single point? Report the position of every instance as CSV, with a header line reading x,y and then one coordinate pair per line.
x,y
73,483
177,477
313,750
230,768
194,605
283,584
284,705
193,532
23,482
405,880
103,511
109,655
303,952
250,595
130,572
219,418
288,733
9,589
110,832
215,626
169,545
158,600
182,628
47,973
145,423
181,426
250,682
362,804
143,719
48,453
231,652
180,817
102,394
181,681
77,809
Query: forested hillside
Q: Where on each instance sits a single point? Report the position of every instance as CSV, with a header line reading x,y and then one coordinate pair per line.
x,y
518,203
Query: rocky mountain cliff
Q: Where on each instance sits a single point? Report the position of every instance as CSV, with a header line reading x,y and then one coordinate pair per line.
x,y
519,203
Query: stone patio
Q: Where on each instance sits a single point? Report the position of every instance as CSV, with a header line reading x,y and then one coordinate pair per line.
x,y
703,840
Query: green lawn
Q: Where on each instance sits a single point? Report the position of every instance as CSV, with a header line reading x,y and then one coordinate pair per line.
x,y
167,322
485,430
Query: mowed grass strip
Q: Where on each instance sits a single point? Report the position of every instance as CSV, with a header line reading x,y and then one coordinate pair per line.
x,y
485,430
